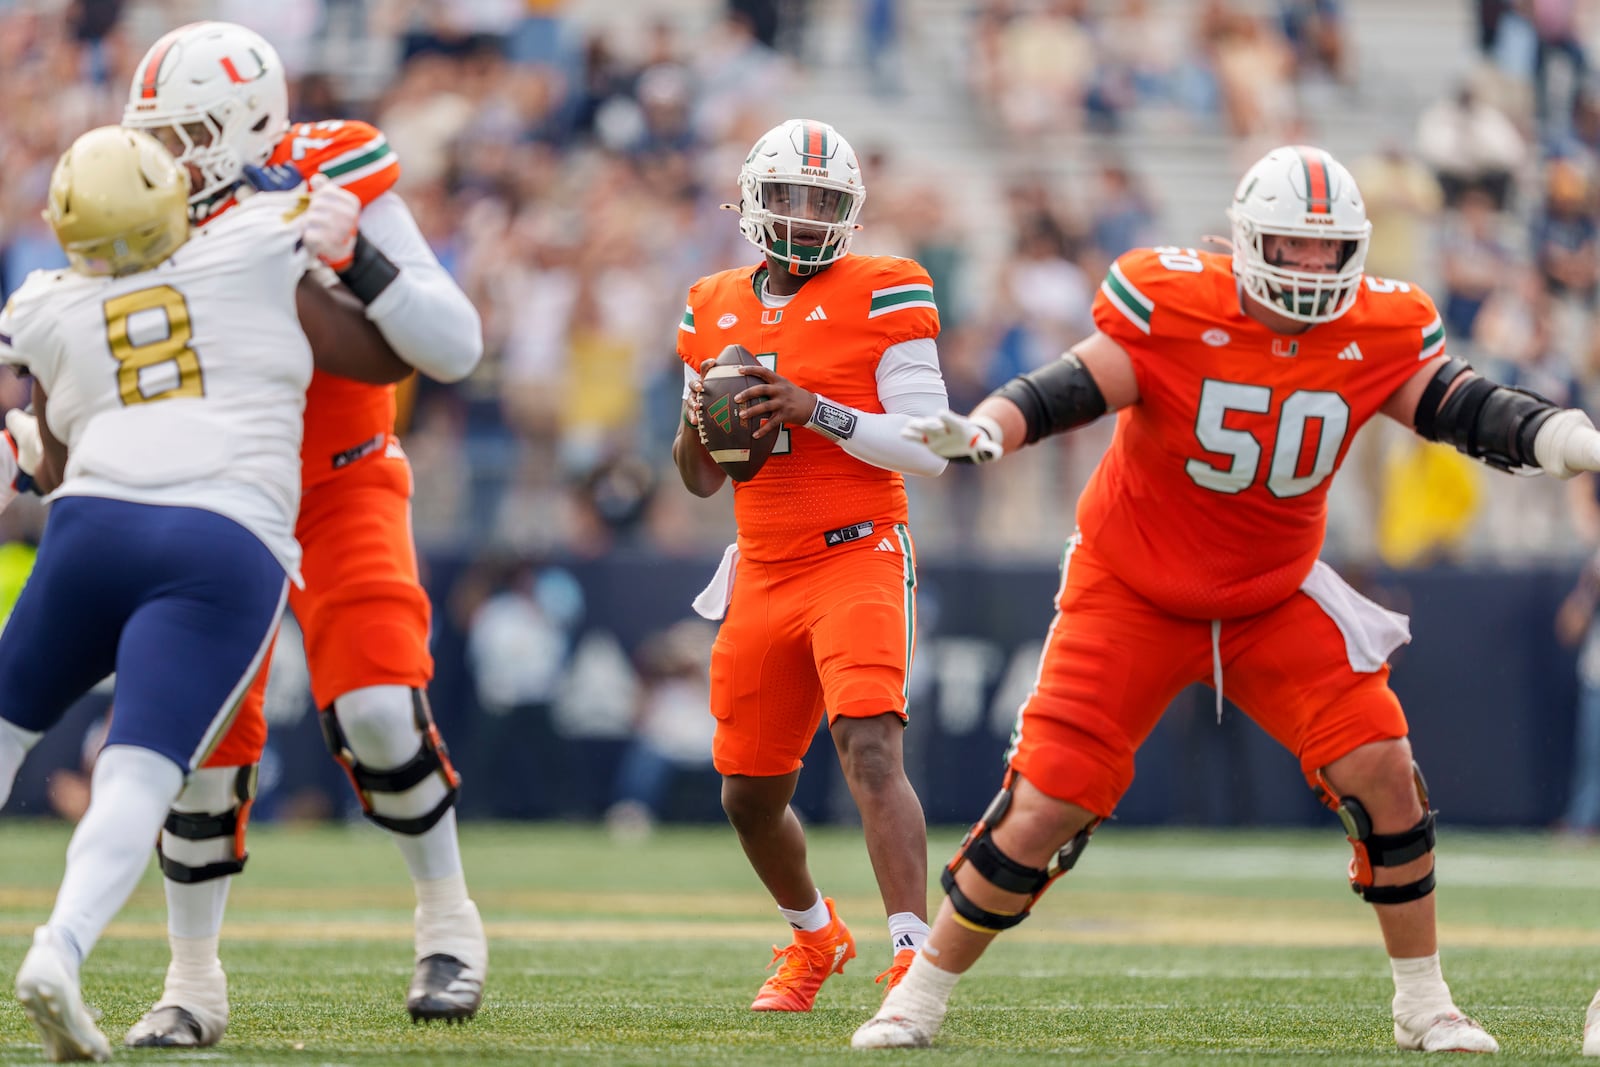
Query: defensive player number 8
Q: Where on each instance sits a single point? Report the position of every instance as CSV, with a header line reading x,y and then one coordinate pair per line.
x,y
145,330
1303,405
780,447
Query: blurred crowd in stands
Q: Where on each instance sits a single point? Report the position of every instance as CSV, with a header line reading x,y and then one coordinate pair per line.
x,y
570,165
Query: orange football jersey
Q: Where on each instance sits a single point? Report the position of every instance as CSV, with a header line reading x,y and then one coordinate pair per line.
x,y
828,339
344,419
1212,500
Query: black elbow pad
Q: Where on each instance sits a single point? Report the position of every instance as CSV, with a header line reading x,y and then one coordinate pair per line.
x,y
1055,398
1494,423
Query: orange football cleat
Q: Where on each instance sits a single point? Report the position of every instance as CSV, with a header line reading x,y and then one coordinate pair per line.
x,y
897,969
805,965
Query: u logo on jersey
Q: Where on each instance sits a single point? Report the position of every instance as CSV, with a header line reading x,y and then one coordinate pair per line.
x,y
1285,348
771,316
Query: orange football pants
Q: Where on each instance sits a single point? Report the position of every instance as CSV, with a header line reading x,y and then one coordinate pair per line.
x,y
830,633
363,610
1113,661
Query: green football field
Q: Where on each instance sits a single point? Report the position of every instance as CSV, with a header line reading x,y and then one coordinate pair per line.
x,y
1190,947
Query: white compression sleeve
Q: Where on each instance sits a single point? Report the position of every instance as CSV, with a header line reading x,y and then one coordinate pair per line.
x,y
423,313
909,384
876,439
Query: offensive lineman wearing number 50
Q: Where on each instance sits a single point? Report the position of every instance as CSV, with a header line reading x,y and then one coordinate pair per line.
x,y
1240,382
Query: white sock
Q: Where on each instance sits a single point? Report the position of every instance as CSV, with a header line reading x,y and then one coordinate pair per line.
x,y
906,931
433,855
132,789
196,983
442,894
195,910
811,919
195,955
14,745
924,992
1419,986
448,922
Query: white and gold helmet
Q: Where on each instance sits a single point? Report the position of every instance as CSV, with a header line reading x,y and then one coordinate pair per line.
x,y
118,202
801,178
1299,191
221,90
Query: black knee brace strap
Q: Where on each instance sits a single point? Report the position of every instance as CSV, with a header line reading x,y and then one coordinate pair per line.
x,y
1003,872
1385,850
431,758
208,826
1374,850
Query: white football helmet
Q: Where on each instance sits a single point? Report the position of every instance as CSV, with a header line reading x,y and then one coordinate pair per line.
x,y
1299,191
221,89
801,177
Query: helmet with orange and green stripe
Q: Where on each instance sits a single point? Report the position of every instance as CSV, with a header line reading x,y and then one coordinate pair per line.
x,y
1304,193
800,193
215,95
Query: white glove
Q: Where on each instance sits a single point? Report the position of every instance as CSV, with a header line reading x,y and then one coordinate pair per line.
x,y
331,219
974,439
1567,444
23,427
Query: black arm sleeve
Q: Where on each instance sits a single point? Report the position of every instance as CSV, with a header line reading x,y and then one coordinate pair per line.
x,y
1055,398
1494,423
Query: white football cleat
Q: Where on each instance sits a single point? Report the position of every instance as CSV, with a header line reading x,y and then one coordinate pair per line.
x,y
906,1020
1447,1031
192,1012
891,1031
49,994
452,960
1591,1028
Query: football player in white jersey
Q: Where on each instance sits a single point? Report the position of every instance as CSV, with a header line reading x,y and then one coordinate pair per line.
x,y
170,372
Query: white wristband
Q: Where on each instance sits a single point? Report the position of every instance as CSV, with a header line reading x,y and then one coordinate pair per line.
x,y
833,420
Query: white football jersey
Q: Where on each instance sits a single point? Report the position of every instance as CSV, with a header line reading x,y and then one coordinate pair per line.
x,y
183,384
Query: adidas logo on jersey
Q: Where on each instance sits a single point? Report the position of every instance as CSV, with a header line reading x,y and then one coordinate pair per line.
x,y
885,545
817,314
1351,351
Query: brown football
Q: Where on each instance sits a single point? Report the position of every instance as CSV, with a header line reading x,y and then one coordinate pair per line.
x,y
729,438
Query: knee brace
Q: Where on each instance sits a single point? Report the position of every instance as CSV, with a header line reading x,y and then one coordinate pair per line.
x,y
431,758
1001,871
1383,850
208,819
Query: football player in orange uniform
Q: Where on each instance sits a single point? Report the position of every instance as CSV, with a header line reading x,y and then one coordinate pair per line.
x,y
817,595
1240,381
216,95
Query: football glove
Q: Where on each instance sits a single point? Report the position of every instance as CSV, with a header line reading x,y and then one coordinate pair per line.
x,y
331,220
1567,444
23,428
276,179
959,438
22,434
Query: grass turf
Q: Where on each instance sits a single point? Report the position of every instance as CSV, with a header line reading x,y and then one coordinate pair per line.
x,y
1192,947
